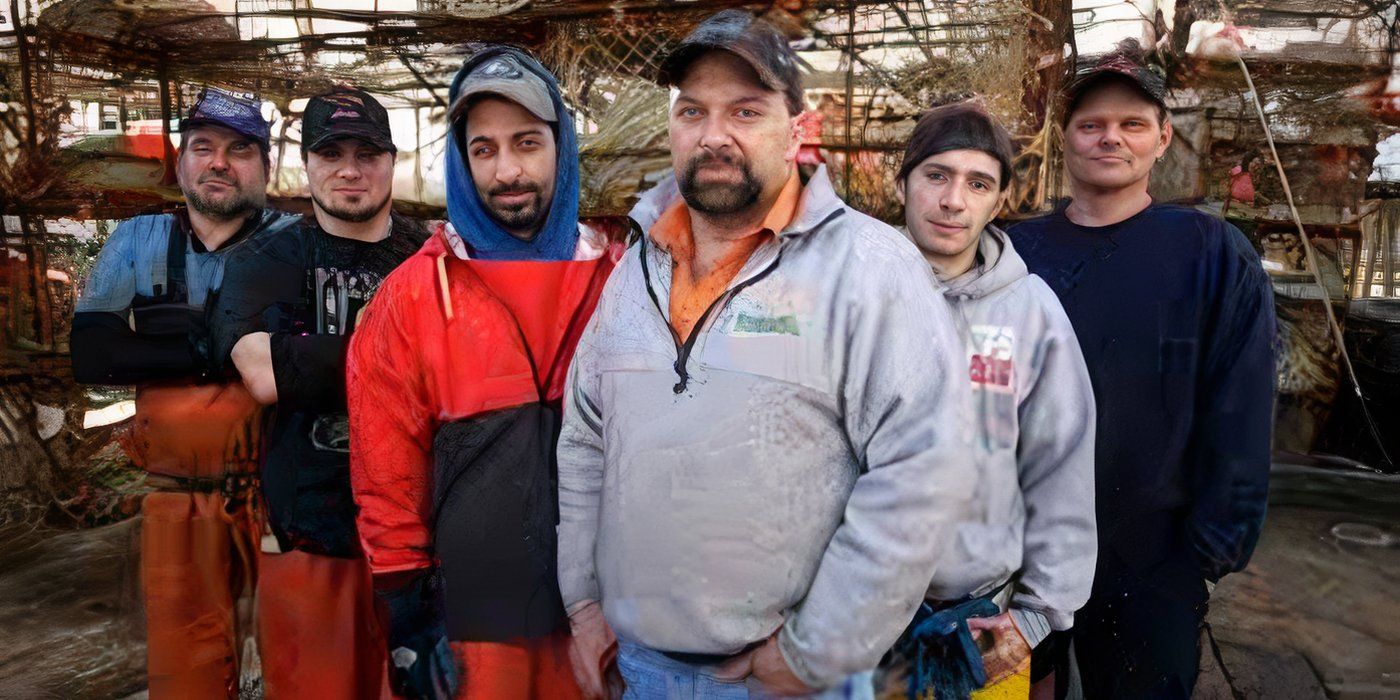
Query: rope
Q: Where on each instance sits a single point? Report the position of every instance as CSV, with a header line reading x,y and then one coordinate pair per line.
x,y
1332,323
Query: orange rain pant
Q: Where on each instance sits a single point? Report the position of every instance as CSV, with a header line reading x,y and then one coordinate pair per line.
x,y
198,547
537,669
317,635
195,565
320,629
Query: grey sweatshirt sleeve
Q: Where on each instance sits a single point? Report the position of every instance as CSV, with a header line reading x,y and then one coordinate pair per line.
x,y
903,383
1055,462
580,476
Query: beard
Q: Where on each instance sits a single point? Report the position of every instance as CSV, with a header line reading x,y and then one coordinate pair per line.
x,y
718,199
352,213
527,216
236,204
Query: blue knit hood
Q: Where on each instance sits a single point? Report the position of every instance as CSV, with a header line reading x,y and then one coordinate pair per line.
x,y
558,237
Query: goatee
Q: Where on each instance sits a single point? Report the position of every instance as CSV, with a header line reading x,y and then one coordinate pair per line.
x,y
718,199
235,206
352,214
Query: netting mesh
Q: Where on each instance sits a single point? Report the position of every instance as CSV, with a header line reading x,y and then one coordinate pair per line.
x,y
76,75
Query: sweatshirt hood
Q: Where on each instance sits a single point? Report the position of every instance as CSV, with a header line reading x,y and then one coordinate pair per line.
x,y
558,237
1001,267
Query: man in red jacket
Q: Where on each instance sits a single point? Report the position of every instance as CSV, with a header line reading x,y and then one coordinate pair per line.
x,y
455,378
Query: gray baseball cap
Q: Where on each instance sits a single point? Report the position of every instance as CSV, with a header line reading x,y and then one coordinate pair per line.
x,y
505,76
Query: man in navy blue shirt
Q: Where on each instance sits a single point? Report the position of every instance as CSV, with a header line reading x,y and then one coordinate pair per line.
x,y
1175,317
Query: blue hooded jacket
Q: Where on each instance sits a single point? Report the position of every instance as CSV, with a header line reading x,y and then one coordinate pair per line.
x,y
558,238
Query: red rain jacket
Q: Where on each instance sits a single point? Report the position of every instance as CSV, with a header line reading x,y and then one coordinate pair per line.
x,y
413,367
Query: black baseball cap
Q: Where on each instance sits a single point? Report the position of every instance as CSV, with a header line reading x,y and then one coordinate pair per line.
x,y
1119,66
753,39
345,112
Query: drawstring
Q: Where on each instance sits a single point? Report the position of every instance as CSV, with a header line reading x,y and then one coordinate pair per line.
x,y
442,284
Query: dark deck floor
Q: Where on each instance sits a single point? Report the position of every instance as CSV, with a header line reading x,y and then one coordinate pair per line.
x,y
1317,614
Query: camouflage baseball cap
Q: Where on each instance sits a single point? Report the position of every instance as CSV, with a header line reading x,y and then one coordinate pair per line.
x,y
752,39
1119,65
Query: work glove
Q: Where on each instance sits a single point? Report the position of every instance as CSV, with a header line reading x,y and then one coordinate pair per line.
x,y
421,663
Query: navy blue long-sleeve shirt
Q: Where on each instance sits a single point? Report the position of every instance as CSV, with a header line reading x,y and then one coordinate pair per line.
x,y
1175,316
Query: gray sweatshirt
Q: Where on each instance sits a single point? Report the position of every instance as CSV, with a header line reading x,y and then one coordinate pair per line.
x,y
806,477
1034,414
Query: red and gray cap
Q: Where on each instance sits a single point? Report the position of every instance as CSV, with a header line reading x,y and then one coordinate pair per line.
x,y
1119,66
345,112
216,107
753,39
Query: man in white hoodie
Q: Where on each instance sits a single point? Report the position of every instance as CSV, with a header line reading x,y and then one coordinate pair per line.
x,y
1029,550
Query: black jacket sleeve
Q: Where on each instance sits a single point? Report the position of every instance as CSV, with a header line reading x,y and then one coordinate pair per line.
x,y
261,291
105,350
1232,435
310,371
264,289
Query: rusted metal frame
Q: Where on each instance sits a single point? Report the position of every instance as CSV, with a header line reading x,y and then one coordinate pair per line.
x,y
37,252
26,73
421,79
165,117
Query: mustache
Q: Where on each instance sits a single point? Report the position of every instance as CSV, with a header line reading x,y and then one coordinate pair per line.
x,y
216,178
518,187
711,158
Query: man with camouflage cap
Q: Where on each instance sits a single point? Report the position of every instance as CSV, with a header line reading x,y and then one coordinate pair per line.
x,y
140,320
1174,314
767,423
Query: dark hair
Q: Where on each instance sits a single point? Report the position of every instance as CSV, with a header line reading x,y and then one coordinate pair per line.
x,y
956,127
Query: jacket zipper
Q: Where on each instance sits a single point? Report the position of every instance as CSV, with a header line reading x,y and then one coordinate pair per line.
x,y
684,348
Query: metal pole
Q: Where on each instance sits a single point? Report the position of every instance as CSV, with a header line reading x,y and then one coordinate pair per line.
x,y
165,117
26,76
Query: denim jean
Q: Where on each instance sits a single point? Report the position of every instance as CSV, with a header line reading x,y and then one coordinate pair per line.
x,y
651,675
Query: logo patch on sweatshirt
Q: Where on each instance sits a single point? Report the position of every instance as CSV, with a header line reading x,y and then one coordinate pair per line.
x,y
747,325
990,364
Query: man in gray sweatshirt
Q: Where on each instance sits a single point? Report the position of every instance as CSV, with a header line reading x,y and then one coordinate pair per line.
x,y
766,434
1030,547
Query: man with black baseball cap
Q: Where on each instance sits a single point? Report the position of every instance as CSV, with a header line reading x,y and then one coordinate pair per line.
x,y
1174,314
141,320
283,323
767,425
